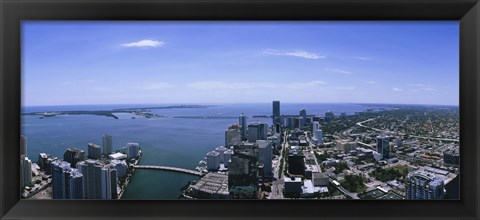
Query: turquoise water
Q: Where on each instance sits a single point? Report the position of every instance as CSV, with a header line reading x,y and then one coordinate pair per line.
x,y
165,141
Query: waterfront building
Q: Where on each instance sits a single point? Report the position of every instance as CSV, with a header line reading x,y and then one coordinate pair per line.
x,y
243,172
26,171
73,156
106,144
23,145
265,156
94,151
221,150
424,186
233,135
133,150
100,179
213,161
383,146
275,112
67,183
243,126
121,167
227,155
73,184
117,156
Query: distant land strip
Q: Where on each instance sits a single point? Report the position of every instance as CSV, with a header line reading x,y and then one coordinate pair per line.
x,y
109,113
100,113
165,107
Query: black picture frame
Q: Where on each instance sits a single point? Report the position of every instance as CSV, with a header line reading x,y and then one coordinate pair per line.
x,y
12,12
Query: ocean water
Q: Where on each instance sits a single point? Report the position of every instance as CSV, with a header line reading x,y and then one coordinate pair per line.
x,y
175,142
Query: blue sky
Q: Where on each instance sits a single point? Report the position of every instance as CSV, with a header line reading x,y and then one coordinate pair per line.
x,y
70,63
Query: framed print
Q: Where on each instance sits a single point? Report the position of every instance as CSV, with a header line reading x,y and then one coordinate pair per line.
x,y
198,109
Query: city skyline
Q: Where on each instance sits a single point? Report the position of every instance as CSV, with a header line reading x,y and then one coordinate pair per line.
x,y
74,63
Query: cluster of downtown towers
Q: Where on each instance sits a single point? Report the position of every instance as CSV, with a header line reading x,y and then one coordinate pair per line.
x,y
249,161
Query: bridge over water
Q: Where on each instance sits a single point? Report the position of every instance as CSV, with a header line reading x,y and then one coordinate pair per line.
x,y
167,168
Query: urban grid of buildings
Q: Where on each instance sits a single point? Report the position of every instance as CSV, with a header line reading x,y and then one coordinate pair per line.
x,y
400,152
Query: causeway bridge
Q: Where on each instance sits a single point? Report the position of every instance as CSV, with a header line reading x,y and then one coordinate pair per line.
x,y
174,169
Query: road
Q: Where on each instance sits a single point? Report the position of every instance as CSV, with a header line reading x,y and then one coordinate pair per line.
x,y
277,184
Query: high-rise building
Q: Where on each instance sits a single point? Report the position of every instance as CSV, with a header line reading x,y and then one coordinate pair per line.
x,y
383,146
99,179
233,135
133,150
276,112
329,116
23,145
315,126
451,156
257,131
220,150
73,156
26,171
243,126
73,184
121,167
422,186
67,183
227,155
303,113
265,156
106,144
296,162
94,151
243,171
213,161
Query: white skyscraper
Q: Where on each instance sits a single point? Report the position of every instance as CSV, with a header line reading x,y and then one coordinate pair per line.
x,y
106,144
100,180
424,186
133,150
233,135
220,150
213,161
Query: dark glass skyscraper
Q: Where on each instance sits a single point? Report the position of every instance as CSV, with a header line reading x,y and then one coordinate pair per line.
x,y
276,112
383,146
243,126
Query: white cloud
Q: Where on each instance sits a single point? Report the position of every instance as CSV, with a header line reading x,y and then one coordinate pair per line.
x,y
302,85
338,71
295,53
397,89
144,43
362,58
344,87
224,85
156,86
206,85
372,82
421,87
